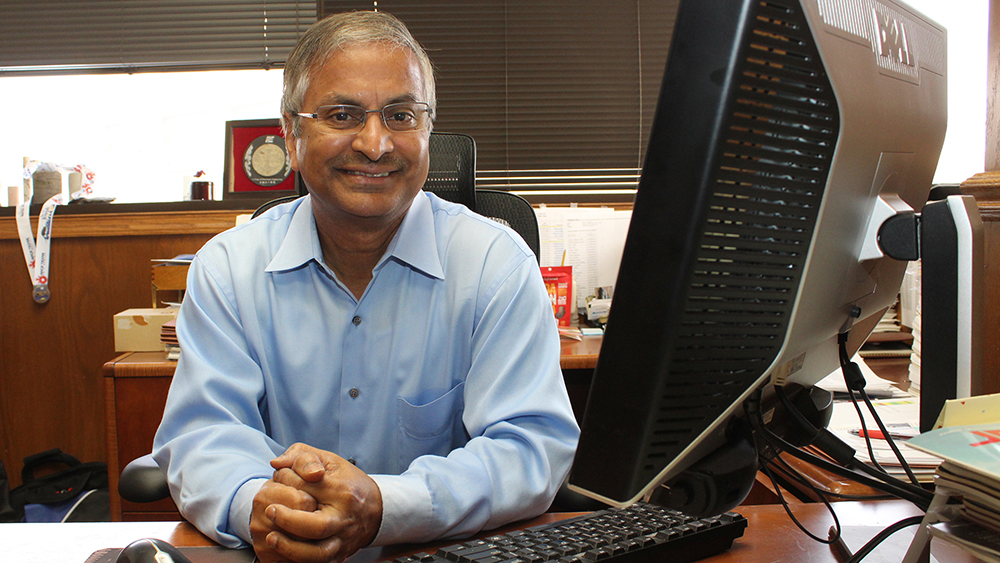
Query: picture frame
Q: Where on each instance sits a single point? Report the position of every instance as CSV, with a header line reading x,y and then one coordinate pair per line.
x,y
257,165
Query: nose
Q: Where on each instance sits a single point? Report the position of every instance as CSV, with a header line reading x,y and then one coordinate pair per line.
x,y
374,139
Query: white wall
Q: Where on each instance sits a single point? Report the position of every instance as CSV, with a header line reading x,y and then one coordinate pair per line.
x,y
967,22
142,134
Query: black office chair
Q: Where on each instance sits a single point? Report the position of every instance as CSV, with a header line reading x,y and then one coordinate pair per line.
x,y
142,481
451,174
513,211
273,202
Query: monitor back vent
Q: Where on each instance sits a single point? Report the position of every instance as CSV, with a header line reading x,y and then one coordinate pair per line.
x,y
768,185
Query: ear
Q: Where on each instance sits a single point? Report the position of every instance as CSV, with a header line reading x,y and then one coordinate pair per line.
x,y
291,142
292,145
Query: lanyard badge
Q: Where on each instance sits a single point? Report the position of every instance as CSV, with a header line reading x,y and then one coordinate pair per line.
x,y
37,253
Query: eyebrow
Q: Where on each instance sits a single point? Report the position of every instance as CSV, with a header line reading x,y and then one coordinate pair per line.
x,y
338,100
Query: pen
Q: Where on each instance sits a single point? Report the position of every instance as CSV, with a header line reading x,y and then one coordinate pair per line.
x,y
878,435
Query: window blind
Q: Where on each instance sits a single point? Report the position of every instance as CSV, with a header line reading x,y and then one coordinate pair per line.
x,y
559,95
72,37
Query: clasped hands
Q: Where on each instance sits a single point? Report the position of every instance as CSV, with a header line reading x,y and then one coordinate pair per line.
x,y
318,507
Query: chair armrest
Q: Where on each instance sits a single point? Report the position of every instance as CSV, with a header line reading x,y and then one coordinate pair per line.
x,y
142,481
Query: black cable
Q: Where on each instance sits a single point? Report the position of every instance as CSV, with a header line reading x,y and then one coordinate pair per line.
x,y
878,481
843,496
888,438
757,423
779,465
892,481
881,482
858,385
844,361
797,476
836,449
820,438
881,537
788,510
864,429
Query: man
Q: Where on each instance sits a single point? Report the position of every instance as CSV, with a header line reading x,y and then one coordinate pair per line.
x,y
369,364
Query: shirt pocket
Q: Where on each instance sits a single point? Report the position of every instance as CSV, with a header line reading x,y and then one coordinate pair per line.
x,y
431,428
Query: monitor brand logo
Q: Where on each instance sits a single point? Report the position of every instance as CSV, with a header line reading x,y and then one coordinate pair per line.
x,y
893,41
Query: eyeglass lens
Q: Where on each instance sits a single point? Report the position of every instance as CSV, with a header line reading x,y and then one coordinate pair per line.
x,y
408,116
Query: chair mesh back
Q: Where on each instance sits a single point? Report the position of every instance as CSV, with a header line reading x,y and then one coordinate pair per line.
x,y
451,174
272,203
511,210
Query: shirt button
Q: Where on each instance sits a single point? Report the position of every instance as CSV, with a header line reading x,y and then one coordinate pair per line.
x,y
354,392
356,320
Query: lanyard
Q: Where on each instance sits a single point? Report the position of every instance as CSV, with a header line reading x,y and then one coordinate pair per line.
x,y
37,256
37,253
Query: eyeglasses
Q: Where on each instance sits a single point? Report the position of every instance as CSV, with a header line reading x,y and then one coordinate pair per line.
x,y
402,117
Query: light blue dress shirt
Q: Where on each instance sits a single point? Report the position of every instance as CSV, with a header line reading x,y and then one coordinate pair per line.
x,y
442,382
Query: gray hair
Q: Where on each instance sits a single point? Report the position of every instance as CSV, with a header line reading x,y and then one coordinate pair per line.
x,y
336,33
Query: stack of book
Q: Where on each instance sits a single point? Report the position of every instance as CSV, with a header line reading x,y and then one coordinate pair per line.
x,y
971,472
890,338
890,321
168,336
910,316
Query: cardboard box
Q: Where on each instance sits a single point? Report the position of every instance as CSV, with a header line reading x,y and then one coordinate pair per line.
x,y
138,330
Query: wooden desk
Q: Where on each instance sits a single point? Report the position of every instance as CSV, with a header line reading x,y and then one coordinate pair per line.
x,y
771,535
135,388
136,385
580,354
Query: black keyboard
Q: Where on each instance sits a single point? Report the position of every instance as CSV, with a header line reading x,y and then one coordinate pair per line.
x,y
641,532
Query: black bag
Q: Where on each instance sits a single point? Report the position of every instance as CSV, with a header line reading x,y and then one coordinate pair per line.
x,y
78,493
7,514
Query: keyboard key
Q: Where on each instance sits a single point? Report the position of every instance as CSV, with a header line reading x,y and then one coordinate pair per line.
x,y
643,530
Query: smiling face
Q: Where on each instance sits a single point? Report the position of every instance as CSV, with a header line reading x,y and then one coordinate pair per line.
x,y
371,176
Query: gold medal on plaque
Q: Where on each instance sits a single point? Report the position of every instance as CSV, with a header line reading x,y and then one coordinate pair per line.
x,y
266,162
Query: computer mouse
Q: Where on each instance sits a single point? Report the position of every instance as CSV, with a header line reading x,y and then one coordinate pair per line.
x,y
151,550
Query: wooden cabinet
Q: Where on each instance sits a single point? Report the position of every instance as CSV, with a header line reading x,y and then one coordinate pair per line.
x,y
135,387
986,189
51,389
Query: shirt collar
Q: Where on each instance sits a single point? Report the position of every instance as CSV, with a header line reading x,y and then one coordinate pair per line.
x,y
301,241
414,243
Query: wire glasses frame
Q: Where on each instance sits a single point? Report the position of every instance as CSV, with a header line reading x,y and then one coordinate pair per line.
x,y
401,117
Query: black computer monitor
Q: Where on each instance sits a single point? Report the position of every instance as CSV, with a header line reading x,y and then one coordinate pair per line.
x,y
786,130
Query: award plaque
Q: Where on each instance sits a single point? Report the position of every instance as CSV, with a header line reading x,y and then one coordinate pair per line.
x,y
257,164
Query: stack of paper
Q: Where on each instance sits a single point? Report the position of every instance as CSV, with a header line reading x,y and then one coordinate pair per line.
x,y
168,335
982,543
890,321
971,468
980,499
900,417
570,333
875,386
909,314
590,239
921,465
